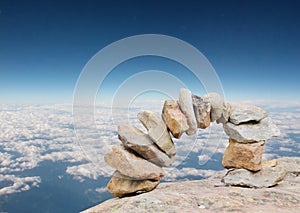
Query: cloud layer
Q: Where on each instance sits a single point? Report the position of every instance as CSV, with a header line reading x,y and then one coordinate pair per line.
x,y
32,134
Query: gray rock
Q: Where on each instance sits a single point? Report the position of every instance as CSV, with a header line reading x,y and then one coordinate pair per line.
x,y
121,185
131,165
217,105
290,164
202,111
157,131
245,113
174,118
186,105
249,132
225,114
268,176
141,143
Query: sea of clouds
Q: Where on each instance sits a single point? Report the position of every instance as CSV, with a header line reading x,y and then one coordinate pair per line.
x,y
32,134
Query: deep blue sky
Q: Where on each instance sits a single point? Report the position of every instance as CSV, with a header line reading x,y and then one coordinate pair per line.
x,y
253,45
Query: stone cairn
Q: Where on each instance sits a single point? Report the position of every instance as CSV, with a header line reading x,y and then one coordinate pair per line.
x,y
139,158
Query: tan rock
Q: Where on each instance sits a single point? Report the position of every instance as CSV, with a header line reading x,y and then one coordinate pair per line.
x,y
157,131
247,156
121,185
202,111
174,118
271,163
131,165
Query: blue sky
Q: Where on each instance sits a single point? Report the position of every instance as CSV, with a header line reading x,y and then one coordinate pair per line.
x,y
254,46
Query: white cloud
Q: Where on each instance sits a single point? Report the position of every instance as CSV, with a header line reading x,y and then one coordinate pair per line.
x,y
18,184
33,134
101,190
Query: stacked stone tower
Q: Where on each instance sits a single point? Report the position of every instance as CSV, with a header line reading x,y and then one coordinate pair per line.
x,y
139,158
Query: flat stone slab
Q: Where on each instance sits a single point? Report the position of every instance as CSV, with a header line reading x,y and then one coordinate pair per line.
x,y
141,143
174,118
131,165
157,131
249,132
268,176
244,113
121,185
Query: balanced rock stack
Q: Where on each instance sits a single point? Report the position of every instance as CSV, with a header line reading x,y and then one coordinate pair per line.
x,y
139,158
248,129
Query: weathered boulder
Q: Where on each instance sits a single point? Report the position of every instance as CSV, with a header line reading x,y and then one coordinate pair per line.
x,y
268,176
121,185
225,114
157,131
241,155
141,143
217,105
174,118
245,113
131,165
202,111
186,106
249,132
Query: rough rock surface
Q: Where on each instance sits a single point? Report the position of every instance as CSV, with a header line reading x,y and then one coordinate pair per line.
x,y
217,105
225,114
121,185
249,132
141,143
157,131
131,165
266,177
245,113
243,155
186,105
204,196
174,118
202,111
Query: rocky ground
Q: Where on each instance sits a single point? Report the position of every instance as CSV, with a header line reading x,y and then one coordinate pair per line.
x,y
211,195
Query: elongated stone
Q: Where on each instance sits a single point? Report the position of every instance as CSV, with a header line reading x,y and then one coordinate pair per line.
x,y
239,155
157,131
202,111
131,165
249,132
268,176
174,118
121,185
217,105
141,143
245,113
186,106
225,114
